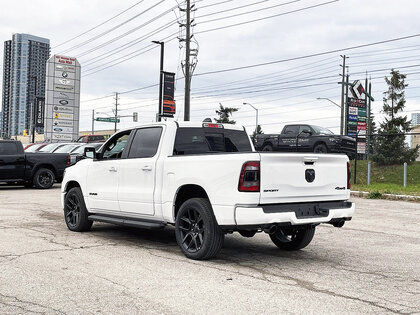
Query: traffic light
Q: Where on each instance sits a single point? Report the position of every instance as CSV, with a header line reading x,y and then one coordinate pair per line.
x,y
135,116
25,132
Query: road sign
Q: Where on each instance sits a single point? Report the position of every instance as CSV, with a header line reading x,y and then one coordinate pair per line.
x,y
107,119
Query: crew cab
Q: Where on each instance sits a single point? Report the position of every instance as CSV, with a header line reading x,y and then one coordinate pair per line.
x,y
306,138
31,169
207,180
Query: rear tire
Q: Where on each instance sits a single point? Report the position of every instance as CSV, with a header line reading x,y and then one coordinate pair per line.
x,y
75,212
267,147
293,239
196,229
44,178
320,148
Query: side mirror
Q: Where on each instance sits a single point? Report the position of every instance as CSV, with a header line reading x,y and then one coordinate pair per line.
x,y
90,153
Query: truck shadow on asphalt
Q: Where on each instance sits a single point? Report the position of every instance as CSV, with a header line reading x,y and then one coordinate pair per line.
x,y
235,248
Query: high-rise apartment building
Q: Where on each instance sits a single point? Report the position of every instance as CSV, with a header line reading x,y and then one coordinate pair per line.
x,y
415,119
24,73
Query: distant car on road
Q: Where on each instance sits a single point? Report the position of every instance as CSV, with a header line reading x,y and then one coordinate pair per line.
x,y
31,169
306,138
91,138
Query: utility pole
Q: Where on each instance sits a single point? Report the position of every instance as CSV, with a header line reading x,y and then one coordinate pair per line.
x,y
116,111
342,94
93,121
187,62
346,105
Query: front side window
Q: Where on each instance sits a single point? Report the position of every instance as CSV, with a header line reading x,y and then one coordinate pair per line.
x,y
145,142
322,131
291,130
115,147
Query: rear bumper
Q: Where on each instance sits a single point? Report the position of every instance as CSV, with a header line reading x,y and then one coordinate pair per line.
x,y
294,214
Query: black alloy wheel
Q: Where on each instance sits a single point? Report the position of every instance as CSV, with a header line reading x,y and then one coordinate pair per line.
x,y
192,230
196,230
72,211
44,178
293,239
75,212
320,148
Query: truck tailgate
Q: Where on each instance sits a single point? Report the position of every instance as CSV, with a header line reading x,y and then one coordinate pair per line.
x,y
293,177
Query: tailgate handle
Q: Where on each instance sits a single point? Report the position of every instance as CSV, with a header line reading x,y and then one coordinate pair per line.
x,y
309,160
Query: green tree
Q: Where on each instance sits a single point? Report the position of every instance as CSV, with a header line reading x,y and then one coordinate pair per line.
x,y
224,114
391,147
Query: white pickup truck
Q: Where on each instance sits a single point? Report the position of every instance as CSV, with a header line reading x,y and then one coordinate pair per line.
x,y
207,180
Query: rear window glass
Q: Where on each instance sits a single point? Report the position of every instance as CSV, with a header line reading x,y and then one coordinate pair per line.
x,y
208,140
8,148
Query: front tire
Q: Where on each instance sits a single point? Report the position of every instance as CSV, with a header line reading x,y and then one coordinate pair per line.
x,y
75,212
44,178
197,232
293,239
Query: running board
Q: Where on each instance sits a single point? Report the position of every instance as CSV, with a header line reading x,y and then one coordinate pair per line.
x,y
127,222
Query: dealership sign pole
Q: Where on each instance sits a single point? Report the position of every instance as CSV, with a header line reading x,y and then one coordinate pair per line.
x,y
62,106
357,115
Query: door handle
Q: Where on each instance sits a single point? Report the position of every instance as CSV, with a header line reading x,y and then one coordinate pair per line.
x,y
146,168
112,169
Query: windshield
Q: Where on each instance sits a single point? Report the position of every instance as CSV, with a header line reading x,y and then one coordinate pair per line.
x,y
33,148
322,131
66,148
49,147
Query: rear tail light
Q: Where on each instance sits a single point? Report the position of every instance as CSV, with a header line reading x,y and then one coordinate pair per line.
x,y
348,175
68,161
250,177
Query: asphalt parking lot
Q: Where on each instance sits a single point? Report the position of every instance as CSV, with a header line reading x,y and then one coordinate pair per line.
x,y
371,265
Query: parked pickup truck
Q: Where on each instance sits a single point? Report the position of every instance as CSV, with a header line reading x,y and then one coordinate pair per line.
x,y
32,169
309,138
207,180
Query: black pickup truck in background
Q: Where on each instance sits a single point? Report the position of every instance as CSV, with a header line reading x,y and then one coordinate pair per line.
x,y
31,169
306,138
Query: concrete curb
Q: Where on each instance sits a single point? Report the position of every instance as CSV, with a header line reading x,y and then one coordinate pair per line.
x,y
364,194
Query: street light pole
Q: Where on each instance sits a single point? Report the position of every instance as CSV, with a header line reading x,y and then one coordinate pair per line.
x,y
256,116
325,98
162,51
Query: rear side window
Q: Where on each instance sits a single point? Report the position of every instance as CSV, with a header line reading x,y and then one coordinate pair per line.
x,y
207,140
145,143
8,148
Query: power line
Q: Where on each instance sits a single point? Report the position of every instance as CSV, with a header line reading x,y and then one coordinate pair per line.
x,y
95,27
244,13
113,28
307,56
166,39
267,17
127,33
